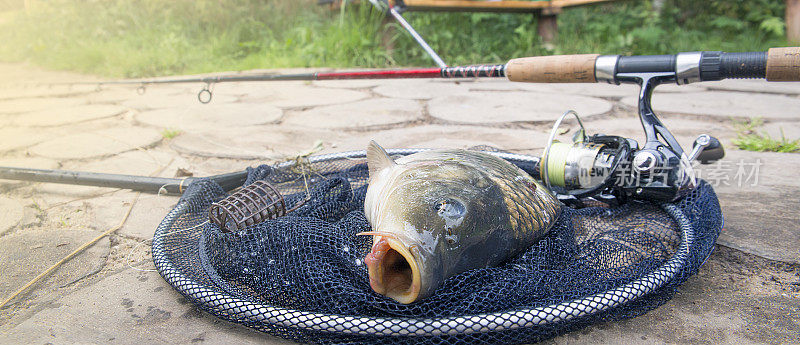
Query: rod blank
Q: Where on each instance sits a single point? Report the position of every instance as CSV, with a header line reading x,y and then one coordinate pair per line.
x,y
145,184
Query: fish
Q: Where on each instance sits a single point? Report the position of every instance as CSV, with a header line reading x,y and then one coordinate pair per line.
x,y
437,213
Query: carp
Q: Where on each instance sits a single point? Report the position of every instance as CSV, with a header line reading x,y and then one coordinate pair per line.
x,y
437,213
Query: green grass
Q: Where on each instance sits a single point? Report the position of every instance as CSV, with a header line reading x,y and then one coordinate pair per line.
x,y
168,133
137,38
153,37
750,139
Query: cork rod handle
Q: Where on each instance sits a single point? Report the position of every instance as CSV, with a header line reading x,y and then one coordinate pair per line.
x,y
553,69
783,64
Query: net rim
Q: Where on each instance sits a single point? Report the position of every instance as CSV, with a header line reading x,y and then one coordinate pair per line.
x,y
239,309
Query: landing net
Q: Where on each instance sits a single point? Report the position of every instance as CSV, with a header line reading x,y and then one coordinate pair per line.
x,y
302,276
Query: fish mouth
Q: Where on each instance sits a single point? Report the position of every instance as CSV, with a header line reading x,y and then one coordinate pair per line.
x,y
393,272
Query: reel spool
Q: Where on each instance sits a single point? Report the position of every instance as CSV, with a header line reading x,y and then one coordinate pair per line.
x,y
586,167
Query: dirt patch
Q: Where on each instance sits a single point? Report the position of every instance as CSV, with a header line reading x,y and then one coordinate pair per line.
x,y
753,275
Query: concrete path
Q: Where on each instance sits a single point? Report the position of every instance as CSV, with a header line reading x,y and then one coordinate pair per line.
x,y
748,292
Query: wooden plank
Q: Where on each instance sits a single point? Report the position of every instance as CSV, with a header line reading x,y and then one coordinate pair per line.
x,y
493,6
467,4
793,21
567,3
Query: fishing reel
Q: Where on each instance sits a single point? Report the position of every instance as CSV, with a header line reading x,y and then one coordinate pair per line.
x,y
614,169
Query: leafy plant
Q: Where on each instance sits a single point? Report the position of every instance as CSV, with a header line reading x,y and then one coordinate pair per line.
x,y
749,139
168,133
773,25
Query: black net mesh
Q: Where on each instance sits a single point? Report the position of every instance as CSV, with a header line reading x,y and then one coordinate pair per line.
x,y
302,276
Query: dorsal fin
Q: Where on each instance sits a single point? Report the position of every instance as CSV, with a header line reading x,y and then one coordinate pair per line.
x,y
377,159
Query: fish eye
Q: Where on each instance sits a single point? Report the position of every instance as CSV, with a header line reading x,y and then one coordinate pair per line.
x,y
452,213
450,208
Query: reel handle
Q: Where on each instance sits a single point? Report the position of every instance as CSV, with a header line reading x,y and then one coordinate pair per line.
x,y
707,149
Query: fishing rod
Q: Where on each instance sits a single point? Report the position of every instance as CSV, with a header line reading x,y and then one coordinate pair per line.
x,y
778,64
205,95
660,162
581,68
477,71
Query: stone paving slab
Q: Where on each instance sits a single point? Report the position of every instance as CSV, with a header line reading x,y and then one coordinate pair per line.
x,y
24,105
41,247
67,116
114,95
29,162
507,107
778,130
762,223
97,143
11,215
105,207
256,89
672,88
349,84
200,117
38,91
725,104
166,89
418,89
594,90
128,307
301,96
17,138
208,166
753,85
604,90
684,131
367,113
734,299
494,84
107,210
160,100
760,206
441,136
269,143
147,213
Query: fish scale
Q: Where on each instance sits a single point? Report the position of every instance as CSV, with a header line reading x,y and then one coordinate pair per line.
x,y
527,211
519,198
522,200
